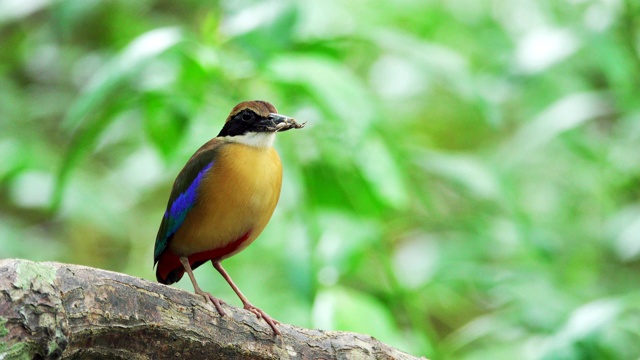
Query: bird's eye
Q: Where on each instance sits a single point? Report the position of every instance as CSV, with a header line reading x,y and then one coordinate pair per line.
x,y
247,116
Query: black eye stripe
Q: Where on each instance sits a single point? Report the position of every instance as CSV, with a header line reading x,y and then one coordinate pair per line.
x,y
242,122
247,115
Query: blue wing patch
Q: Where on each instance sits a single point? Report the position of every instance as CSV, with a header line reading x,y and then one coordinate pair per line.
x,y
177,211
183,203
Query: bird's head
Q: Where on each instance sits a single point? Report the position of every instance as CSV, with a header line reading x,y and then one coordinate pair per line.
x,y
256,117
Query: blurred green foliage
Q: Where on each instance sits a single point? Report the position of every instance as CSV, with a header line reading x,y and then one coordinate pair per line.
x,y
467,185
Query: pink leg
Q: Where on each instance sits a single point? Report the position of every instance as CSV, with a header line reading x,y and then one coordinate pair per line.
x,y
217,303
247,305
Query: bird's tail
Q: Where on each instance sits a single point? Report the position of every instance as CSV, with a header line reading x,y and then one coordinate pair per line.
x,y
169,269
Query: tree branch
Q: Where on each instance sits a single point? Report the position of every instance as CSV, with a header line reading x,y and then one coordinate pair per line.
x,y
52,311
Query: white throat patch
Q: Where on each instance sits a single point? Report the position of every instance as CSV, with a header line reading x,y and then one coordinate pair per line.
x,y
255,139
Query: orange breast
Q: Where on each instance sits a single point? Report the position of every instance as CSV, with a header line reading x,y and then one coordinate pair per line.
x,y
237,197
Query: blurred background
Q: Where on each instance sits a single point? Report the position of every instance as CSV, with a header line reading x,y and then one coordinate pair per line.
x,y
466,187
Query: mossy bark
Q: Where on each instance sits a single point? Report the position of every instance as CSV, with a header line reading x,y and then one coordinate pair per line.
x,y
54,311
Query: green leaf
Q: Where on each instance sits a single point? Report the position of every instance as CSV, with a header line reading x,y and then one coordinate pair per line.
x,y
563,115
102,87
340,93
164,122
382,172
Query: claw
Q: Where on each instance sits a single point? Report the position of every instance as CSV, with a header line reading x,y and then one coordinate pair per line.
x,y
247,305
262,315
216,302
207,297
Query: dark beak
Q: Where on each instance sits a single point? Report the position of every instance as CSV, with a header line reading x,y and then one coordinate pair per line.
x,y
277,122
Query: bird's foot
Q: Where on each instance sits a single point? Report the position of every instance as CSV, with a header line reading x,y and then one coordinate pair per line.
x,y
216,302
262,315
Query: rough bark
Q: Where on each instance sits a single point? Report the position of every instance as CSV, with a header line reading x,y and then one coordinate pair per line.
x,y
52,311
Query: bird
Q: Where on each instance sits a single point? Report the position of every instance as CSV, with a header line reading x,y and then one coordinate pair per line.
x,y
223,198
